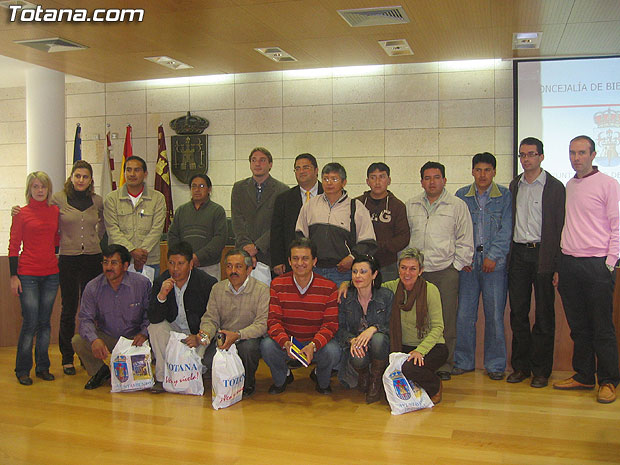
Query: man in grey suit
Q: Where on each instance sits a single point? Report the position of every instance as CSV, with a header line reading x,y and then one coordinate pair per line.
x,y
251,206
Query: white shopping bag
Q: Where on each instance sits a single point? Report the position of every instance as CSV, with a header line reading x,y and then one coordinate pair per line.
x,y
130,366
227,378
183,373
403,396
262,272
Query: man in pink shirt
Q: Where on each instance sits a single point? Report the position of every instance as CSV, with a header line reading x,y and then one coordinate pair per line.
x,y
590,249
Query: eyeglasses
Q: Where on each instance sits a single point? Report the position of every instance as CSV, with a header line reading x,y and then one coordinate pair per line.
x,y
110,262
333,179
528,154
303,168
198,186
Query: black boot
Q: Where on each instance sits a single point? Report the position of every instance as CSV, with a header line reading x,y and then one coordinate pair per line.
x,y
363,375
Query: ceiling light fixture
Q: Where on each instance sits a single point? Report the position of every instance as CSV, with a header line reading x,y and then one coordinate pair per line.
x,y
52,45
397,47
20,3
276,54
526,40
169,62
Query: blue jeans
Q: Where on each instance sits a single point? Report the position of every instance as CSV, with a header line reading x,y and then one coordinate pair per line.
x,y
333,274
37,300
326,359
494,290
378,349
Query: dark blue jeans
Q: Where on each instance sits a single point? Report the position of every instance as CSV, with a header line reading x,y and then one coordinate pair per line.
x,y
37,300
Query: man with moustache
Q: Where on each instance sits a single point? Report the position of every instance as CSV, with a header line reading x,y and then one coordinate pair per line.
x,y
538,219
114,304
587,273
178,301
286,210
389,219
237,310
304,306
202,223
251,206
134,216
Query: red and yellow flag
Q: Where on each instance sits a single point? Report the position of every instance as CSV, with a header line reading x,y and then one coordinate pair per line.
x,y
162,176
127,152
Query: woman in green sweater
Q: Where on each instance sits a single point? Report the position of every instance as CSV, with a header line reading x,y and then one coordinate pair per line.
x,y
416,323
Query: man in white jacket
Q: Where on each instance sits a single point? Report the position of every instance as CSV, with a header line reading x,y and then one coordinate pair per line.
x,y
441,227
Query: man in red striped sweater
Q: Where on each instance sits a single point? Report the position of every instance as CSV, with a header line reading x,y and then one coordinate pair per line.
x,y
304,306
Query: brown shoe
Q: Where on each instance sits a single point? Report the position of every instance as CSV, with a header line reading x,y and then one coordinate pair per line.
x,y
375,387
363,379
606,393
437,397
570,384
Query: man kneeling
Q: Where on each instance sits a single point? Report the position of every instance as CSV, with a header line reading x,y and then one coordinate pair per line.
x,y
303,305
113,304
237,309
178,301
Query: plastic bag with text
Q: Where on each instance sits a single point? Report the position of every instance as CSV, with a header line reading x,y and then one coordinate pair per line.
x,y
403,396
227,378
130,366
183,373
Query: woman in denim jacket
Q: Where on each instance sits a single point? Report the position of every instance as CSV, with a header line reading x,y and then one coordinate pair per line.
x,y
363,326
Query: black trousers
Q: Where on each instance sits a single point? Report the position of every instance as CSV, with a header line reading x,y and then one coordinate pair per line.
x,y
75,272
425,375
532,350
586,287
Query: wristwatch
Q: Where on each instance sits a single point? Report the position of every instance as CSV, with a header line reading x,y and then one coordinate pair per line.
x,y
204,339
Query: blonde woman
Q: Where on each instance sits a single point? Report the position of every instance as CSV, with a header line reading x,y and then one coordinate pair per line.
x,y
34,274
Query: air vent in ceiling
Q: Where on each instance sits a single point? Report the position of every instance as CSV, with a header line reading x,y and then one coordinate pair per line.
x,y
52,45
397,47
526,40
382,16
20,3
276,54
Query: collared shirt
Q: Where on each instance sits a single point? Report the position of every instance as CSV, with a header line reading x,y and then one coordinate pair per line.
x,y
232,289
116,313
528,222
431,207
482,200
259,190
313,192
181,319
302,290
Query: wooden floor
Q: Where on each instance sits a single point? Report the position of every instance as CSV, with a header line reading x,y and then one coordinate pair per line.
x,y
479,422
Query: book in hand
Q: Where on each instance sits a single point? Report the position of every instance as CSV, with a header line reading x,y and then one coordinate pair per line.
x,y
296,347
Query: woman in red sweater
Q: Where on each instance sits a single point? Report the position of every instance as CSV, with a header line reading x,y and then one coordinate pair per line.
x,y
34,274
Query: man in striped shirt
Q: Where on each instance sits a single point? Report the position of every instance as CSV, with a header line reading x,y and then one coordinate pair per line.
x,y
304,306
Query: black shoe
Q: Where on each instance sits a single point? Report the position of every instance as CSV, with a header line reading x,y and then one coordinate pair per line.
x,y
496,375
273,389
320,390
99,378
45,375
25,380
517,376
459,371
444,375
539,382
69,370
249,390
158,388
313,376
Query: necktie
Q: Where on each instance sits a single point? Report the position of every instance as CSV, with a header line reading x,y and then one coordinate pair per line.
x,y
307,196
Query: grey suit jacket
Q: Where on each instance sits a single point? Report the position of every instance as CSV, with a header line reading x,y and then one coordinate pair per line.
x,y
251,221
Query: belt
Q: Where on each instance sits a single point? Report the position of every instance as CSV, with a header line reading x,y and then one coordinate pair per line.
x,y
529,245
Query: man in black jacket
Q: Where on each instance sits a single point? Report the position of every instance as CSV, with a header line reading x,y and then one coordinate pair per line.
x,y
538,218
286,210
178,300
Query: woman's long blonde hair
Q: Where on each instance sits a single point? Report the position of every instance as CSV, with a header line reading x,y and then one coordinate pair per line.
x,y
44,178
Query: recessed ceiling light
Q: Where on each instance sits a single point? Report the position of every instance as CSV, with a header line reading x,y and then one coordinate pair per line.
x,y
396,47
276,54
52,45
169,62
526,40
